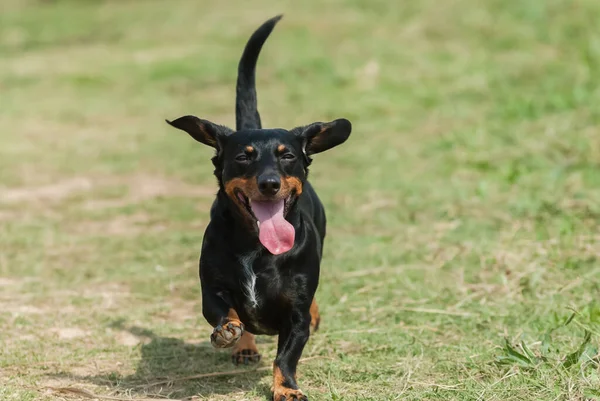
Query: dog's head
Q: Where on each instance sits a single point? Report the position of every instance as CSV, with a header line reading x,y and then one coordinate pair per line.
x,y
263,170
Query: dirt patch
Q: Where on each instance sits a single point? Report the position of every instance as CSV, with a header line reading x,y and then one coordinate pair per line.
x,y
144,187
184,312
69,333
50,192
6,216
7,282
130,340
105,296
139,188
126,225
25,310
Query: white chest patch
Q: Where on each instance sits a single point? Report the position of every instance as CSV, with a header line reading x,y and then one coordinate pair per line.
x,y
250,278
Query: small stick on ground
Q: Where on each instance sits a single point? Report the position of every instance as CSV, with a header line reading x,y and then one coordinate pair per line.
x,y
86,394
228,373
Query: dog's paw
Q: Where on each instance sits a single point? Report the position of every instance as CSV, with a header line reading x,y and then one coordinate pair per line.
x,y
245,356
281,393
227,335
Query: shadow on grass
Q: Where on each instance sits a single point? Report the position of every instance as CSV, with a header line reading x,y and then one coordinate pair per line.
x,y
165,368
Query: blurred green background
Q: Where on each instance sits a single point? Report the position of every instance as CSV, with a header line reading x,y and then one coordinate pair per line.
x,y
462,261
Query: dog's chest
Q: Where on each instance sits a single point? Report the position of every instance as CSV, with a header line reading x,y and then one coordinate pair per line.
x,y
264,295
249,280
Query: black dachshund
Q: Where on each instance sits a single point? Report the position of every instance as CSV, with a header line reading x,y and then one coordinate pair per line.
x,y
261,253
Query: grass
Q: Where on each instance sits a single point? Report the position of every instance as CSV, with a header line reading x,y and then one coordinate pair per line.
x,y
463,261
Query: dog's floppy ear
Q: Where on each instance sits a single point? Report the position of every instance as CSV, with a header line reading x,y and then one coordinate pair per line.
x,y
201,130
318,137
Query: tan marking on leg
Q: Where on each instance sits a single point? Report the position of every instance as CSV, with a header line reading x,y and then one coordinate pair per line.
x,y
315,316
232,315
245,351
280,392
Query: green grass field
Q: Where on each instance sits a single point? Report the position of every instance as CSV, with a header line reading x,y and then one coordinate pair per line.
x,y
463,257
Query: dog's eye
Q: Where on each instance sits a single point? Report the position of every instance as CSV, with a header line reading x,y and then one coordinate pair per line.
x,y
288,156
242,158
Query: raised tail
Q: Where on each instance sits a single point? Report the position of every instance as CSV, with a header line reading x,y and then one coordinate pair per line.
x,y
246,111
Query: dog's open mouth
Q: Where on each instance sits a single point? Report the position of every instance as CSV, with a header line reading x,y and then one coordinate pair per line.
x,y
274,231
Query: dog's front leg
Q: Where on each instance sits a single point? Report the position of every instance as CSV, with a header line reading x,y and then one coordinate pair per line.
x,y
292,339
228,328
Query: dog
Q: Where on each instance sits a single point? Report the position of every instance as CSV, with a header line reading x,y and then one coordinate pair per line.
x,y
261,251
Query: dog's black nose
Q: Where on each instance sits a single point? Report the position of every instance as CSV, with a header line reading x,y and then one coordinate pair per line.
x,y
269,185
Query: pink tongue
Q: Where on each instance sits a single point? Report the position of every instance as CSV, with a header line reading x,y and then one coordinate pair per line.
x,y
275,232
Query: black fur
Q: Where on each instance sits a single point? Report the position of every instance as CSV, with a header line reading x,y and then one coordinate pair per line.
x,y
231,251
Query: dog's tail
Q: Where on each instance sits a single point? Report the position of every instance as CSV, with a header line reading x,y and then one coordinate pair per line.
x,y
246,111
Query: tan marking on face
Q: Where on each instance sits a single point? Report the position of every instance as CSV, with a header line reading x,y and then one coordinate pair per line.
x,y
249,149
281,148
290,184
248,186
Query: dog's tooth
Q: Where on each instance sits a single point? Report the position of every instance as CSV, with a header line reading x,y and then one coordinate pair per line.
x,y
258,224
